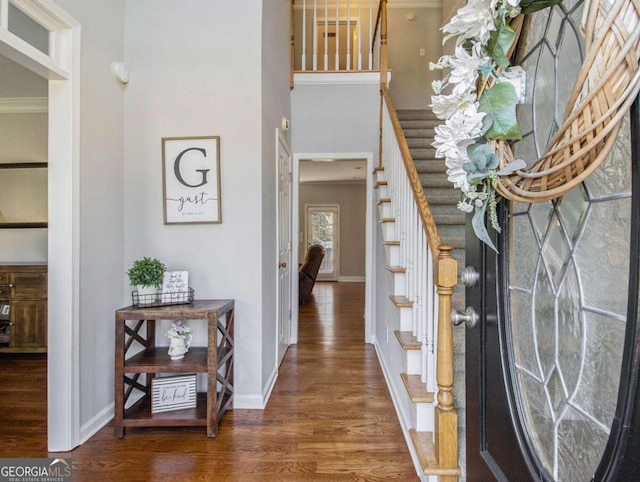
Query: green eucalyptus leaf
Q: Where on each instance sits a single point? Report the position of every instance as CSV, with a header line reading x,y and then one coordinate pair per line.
x,y
500,41
515,165
532,6
477,222
500,101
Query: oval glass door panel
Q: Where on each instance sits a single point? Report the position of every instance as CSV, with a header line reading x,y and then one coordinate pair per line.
x,y
568,269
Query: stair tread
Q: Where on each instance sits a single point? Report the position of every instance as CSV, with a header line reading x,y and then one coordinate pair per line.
x,y
425,448
387,220
407,340
391,243
396,269
401,301
383,200
416,389
416,114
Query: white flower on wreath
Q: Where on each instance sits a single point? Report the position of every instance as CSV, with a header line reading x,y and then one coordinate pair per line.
x,y
456,129
466,67
475,20
444,106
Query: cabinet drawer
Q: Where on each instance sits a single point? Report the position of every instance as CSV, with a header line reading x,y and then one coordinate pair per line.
x,y
28,286
5,291
4,277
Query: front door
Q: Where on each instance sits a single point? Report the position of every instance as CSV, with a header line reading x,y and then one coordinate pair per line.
x,y
551,367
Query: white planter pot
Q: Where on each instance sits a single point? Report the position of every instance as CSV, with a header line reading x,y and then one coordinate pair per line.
x,y
147,295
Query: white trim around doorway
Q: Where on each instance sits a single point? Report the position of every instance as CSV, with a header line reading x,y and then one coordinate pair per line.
x,y
62,68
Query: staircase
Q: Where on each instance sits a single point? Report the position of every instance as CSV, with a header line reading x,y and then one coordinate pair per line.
x,y
418,127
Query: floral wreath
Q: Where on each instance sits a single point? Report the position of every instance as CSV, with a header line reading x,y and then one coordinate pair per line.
x,y
478,123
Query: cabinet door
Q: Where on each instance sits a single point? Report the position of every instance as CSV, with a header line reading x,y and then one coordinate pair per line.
x,y
29,324
5,290
27,286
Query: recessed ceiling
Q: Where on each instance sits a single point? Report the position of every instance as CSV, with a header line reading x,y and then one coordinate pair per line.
x,y
333,170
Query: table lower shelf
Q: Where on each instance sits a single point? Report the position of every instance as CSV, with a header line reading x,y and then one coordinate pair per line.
x,y
139,415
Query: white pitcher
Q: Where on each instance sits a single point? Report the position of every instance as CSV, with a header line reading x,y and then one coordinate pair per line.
x,y
178,346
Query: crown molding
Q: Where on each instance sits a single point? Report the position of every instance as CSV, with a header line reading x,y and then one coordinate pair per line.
x,y
24,105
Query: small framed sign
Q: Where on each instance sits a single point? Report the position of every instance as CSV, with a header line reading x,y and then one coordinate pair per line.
x,y
175,287
191,180
173,393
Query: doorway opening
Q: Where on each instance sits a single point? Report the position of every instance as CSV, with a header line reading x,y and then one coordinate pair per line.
x,y
339,186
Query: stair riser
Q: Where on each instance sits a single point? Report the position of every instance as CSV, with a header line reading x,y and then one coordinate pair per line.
x,y
392,255
388,231
406,320
424,417
383,191
399,284
384,210
413,362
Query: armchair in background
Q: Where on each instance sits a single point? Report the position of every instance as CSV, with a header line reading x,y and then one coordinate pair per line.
x,y
309,272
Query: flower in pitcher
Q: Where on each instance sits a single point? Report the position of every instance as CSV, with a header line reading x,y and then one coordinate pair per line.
x,y
178,329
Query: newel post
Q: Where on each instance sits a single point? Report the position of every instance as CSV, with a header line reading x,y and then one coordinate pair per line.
x,y
446,420
383,42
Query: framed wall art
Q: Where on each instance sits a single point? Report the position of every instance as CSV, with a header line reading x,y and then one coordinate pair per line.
x,y
191,180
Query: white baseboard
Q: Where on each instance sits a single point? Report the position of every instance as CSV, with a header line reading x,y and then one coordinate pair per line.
x,y
92,427
402,417
252,402
269,387
352,279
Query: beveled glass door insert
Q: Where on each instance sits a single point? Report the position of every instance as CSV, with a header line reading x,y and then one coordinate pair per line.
x,y
568,271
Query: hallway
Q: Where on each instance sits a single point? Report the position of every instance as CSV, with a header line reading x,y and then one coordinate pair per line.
x,y
330,417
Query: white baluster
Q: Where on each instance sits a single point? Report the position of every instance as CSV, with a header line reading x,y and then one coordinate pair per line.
x,y
432,316
326,35
369,44
337,61
304,34
315,36
359,36
348,34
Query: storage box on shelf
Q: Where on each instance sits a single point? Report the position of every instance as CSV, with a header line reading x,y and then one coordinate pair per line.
x,y
133,373
23,308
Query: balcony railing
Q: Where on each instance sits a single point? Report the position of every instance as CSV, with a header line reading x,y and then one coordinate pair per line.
x,y
334,35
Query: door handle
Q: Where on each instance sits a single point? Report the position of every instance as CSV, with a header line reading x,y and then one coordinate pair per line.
x,y
282,265
469,317
469,277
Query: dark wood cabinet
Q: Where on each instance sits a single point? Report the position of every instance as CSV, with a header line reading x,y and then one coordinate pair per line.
x,y
23,308
135,371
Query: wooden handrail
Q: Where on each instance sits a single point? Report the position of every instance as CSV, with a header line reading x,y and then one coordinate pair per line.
x,y
428,223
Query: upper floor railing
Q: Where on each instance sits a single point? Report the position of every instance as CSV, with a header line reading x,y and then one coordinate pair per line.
x,y
334,35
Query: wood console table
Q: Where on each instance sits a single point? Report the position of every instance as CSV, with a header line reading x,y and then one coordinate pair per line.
x,y
216,360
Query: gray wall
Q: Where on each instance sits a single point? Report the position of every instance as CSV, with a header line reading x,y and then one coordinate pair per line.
x,y
411,78
101,201
352,201
211,79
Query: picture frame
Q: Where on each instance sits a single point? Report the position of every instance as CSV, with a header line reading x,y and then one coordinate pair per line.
x,y
191,180
173,393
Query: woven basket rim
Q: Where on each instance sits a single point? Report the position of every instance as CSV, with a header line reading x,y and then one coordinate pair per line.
x,y
606,86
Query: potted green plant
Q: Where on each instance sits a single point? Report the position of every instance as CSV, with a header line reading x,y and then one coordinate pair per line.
x,y
146,275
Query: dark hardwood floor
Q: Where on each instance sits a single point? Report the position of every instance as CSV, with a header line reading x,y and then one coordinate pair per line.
x,y
330,416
